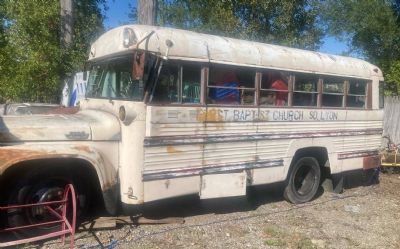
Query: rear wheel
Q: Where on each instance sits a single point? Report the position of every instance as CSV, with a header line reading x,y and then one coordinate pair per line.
x,y
42,186
303,180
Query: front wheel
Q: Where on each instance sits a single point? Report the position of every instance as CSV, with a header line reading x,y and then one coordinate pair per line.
x,y
42,186
303,180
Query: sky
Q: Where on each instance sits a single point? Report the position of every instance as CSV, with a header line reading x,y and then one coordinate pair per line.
x,y
117,14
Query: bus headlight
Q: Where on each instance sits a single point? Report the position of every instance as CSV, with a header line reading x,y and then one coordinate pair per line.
x,y
126,116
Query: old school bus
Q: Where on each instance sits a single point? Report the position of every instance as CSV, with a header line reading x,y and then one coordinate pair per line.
x,y
170,112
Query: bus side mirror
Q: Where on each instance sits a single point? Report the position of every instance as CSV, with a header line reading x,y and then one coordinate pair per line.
x,y
138,65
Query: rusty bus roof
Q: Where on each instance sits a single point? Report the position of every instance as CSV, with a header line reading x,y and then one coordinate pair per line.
x,y
192,46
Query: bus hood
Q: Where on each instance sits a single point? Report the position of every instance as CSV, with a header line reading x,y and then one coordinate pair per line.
x,y
83,126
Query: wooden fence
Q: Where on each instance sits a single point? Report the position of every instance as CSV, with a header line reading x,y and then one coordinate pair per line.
x,y
391,121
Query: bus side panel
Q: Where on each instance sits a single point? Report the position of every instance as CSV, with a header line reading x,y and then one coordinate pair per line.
x,y
187,142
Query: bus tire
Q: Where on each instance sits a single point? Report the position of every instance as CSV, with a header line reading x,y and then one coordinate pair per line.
x,y
303,180
40,186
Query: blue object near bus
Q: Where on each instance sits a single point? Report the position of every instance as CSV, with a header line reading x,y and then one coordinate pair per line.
x,y
226,95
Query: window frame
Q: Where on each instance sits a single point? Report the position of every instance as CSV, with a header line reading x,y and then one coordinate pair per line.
x,y
261,89
204,70
318,91
367,94
207,86
180,66
343,94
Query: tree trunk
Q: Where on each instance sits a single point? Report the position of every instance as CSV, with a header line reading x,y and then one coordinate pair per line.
x,y
147,12
67,22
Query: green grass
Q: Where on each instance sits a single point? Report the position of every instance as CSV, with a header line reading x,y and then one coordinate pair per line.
x,y
272,231
305,243
274,242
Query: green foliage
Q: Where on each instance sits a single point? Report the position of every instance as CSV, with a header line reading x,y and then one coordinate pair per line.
x,y
32,61
392,78
372,29
286,22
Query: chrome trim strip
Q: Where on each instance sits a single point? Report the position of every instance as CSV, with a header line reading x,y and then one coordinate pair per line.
x,y
357,154
151,175
204,139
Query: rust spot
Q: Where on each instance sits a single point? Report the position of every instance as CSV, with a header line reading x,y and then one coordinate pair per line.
x,y
9,157
63,110
171,149
242,180
83,148
167,183
108,185
211,115
371,162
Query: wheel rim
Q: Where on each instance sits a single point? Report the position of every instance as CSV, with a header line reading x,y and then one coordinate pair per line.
x,y
40,214
304,180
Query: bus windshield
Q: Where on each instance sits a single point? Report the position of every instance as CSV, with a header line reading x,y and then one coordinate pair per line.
x,y
112,79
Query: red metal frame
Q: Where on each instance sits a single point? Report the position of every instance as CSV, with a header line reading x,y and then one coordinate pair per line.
x,y
60,217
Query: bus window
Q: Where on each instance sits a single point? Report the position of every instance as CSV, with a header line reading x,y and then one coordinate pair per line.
x,y
167,87
191,87
305,91
274,88
113,79
356,93
231,85
332,92
178,84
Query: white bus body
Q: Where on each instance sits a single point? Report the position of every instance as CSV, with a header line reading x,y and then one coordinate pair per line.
x,y
145,136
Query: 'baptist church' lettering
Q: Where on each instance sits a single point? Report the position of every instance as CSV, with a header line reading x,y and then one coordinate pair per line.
x,y
288,115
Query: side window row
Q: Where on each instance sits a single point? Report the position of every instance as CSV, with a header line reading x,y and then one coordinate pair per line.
x,y
232,85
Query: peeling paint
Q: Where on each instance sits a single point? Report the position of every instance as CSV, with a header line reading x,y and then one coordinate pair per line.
x,y
83,148
9,157
171,149
210,115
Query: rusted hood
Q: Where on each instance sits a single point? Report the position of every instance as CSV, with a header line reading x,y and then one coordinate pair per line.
x,y
84,125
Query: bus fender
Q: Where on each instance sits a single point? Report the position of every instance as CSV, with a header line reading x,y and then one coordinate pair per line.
x,y
106,173
308,143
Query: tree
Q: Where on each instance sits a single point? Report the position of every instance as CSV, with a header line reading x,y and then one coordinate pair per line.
x,y
372,30
67,22
147,12
4,54
34,58
286,22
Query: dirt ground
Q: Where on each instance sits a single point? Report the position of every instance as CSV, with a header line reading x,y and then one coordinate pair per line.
x,y
361,217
